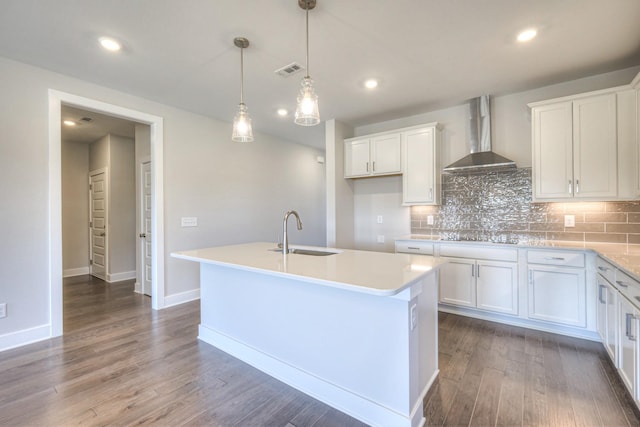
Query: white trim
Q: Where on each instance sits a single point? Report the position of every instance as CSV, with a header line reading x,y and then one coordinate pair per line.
x,y
56,98
118,277
72,272
24,337
137,288
182,297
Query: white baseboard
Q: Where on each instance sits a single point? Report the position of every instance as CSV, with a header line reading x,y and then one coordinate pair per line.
x,y
24,337
137,288
70,272
181,298
118,277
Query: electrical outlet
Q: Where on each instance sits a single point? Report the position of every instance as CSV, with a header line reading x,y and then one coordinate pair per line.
x,y
380,238
3,310
429,219
569,220
379,219
189,221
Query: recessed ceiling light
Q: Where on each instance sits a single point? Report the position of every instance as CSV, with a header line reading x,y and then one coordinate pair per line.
x,y
110,44
69,122
528,34
282,112
371,83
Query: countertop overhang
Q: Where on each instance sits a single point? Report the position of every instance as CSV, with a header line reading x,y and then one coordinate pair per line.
x,y
376,273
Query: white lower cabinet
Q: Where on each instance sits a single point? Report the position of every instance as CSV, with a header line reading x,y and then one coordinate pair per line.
x,y
490,285
557,287
628,357
607,316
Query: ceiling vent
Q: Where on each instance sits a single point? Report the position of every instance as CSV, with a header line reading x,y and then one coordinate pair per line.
x,y
289,70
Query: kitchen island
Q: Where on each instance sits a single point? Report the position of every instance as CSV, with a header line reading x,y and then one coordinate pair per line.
x,y
354,329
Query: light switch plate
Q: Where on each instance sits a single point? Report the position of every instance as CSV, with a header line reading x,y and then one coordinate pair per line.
x,y
429,219
379,220
569,220
3,310
380,238
189,221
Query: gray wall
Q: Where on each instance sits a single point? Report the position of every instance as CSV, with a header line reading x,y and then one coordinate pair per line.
x,y
75,207
239,192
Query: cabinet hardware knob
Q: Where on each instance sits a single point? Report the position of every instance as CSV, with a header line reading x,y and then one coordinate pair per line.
x,y
577,186
600,288
621,283
554,258
570,188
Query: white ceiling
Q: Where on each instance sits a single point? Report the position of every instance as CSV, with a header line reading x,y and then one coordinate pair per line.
x,y
428,54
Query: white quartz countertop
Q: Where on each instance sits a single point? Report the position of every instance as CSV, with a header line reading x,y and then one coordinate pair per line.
x,y
375,273
625,256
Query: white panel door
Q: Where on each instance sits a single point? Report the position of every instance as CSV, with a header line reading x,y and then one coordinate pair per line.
x,y
98,223
458,282
553,151
594,147
146,228
497,286
356,158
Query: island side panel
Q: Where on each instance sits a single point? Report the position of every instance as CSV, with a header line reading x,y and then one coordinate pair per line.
x,y
356,342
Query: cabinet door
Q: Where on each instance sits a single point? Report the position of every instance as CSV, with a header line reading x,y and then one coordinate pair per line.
x,y
385,154
611,344
458,282
558,295
607,318
552,151
419,167
594,147
628,327
497,286
356,158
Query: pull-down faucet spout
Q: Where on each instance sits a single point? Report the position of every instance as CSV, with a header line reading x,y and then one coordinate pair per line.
x,y
285,239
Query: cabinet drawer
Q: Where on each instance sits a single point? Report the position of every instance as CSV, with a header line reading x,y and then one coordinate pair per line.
x,y
560,258
478,252
424,248
606,270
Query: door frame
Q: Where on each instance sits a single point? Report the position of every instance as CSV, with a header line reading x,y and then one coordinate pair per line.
x,y
56,99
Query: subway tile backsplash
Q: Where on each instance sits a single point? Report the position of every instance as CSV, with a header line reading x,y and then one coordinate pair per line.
x,y
495,206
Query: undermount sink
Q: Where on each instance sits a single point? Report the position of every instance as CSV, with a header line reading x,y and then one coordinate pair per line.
x,y
311,252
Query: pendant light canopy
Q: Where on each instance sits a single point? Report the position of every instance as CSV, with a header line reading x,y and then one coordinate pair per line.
x,y
242,131
307,113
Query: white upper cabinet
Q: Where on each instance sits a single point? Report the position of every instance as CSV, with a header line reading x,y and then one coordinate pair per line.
x,y
421,166
372,156
575,149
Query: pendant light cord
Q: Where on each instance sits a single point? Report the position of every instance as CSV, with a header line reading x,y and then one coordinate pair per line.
x,y
307,10
241,75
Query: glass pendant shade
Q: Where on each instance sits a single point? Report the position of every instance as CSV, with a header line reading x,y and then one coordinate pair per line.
x,y
307,113
242,131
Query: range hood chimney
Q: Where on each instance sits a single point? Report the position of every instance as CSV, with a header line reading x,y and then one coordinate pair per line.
x,y
481,157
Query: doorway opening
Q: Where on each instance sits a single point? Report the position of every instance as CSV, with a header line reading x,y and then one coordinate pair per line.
x,y
154,198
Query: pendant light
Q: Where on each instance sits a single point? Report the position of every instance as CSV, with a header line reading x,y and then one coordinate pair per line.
x,y
242,122
307,113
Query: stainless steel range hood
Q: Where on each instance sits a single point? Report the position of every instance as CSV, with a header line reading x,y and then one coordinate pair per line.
x,y
481,156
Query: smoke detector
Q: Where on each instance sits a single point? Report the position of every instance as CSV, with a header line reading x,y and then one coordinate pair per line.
x,y
289,70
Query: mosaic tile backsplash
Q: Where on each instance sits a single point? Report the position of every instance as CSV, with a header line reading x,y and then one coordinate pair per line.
x,y
495,206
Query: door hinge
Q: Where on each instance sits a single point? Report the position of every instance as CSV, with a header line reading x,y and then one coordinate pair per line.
x,y
90,224
90,262
90,186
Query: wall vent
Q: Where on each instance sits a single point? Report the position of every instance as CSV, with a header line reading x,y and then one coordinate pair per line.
x,y
289,70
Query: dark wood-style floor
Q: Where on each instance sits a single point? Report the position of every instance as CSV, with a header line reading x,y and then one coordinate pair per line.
x,y
120,363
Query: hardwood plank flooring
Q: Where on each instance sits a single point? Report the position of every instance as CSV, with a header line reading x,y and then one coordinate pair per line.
x,y
499,375
121,363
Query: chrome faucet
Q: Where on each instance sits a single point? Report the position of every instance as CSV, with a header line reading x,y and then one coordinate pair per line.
x,y
285,239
